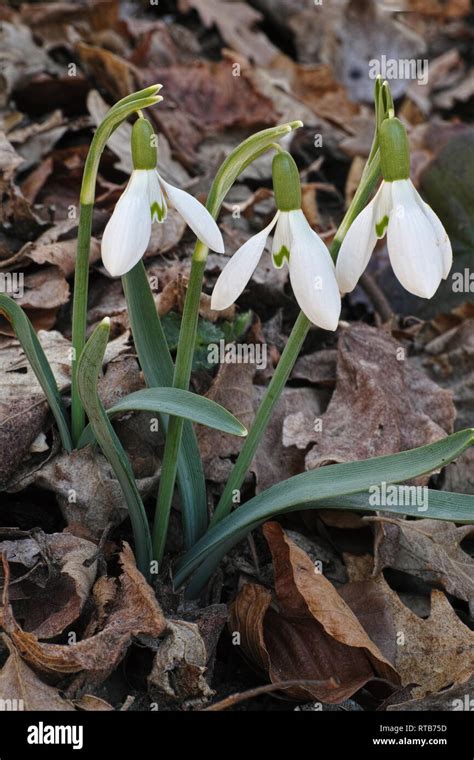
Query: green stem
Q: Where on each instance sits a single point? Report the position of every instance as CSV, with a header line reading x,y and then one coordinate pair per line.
x,y
228,172
79,313
289,356
182,374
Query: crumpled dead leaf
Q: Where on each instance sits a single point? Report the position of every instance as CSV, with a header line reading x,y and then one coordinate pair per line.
x,y
45,290
429,549
20,58
232,388
278,458
309,633
432,653
448,359
134,611
52,579
381,404
85,488
235,22
204,98
20,686
457,697
23,408
179,666
113,72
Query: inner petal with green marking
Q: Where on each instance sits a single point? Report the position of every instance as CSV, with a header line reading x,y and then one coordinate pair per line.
x,y
280,256
158,212
381,226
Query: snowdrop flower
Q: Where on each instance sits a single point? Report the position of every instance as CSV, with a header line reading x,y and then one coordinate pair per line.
x,y
145,200
312,272
418,246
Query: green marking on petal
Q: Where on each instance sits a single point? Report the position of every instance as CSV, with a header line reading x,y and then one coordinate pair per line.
x,y
280,256
381,226
158,211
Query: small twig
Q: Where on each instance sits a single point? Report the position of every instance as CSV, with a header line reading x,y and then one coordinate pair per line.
x,y
241,696
379,301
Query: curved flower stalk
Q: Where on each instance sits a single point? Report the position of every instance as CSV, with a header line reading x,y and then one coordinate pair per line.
x,y
312,272
144,201
114,117
418,246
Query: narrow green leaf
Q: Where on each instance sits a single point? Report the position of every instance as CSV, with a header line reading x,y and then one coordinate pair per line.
x,y
39,364
178,403
158,369
88,370
325,487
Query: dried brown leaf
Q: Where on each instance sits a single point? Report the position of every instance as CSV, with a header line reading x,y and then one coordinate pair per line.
x,y
207,98
134,611
235,22
432,653
179,666
53,580
21,688
428,549
381,405
311,633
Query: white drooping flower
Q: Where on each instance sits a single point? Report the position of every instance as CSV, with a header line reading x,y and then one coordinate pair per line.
x,y
312,272
145,200
418,245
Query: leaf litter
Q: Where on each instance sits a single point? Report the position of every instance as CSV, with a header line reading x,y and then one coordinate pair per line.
x,y
372,389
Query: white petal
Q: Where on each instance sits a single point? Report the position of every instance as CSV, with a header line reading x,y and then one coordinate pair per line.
x,y
236,274
196,216
281,238
412,245
442,238
158,208
312,274
356,248
128,230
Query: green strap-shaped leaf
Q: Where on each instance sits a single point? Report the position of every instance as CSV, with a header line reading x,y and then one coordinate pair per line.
x,y
158,368
39,364
88,370
178,403
328,487
443,505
